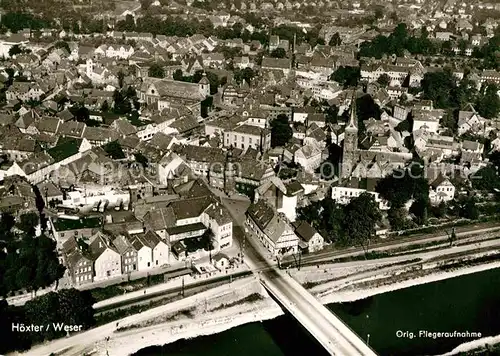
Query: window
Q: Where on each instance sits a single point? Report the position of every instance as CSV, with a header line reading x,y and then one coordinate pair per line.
x,y
149,264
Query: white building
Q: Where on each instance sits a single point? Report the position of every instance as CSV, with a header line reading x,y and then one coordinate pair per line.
x,y
442,190
343,195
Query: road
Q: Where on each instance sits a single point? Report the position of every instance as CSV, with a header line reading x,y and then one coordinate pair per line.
x,y
330,331
326,327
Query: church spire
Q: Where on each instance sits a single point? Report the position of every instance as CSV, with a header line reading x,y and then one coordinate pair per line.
x,y
353,118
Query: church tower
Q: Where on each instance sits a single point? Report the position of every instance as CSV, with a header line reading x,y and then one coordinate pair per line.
x,y
204,86
229,172
350,141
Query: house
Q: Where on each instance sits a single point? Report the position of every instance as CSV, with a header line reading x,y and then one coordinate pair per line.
x,y
51,194
352,189
272,229
311,240
24,91
309,157
221,261
78,261
248,136
107,259
128,253
183,223
441,190
279,64
165,93
425,119
470,121
64,228
160,251
282,197
15,39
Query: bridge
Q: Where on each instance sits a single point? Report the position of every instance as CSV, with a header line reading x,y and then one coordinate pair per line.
x,y
331,332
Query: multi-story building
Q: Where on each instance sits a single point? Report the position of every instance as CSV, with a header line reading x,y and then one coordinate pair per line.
x,y
248,136
272,229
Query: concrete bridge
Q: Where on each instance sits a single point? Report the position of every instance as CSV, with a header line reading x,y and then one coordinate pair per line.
x,y
331,332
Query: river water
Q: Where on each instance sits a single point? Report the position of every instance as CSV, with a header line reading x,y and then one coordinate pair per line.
x,y
469,303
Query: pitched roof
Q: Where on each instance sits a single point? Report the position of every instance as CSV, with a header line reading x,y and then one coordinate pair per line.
x,y
304,230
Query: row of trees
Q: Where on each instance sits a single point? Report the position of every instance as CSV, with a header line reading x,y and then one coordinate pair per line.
x,y
68,307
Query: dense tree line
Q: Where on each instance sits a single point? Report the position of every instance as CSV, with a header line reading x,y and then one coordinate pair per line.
x,y
347,76
396,43
26,262
347,225
447,92
400,187
68,307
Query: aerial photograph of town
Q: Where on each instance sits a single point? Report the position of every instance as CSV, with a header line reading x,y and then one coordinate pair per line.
x,y
250,177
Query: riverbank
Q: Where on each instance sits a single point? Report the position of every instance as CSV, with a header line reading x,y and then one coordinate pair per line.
x,y
210,312
331,292
477,346
244,301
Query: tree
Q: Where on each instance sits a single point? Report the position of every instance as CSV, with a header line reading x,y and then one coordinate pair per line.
x,y
278,53
419,208
439,87
379,12
141,159
335,40
15,50
13,340
489,103
82,114
63,44
31,263
281,132
178,75
68,306
450,121
126,25
28,222
114,150
467,208
246,74
105,106
384,80
361,217
486,179
326,216
398,218
121,77
122,102
347,76
156,71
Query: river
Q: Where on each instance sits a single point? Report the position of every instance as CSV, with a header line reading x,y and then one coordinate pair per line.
x,y
469,303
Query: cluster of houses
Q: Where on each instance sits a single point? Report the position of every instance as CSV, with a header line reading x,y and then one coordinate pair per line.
x,y
113,215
